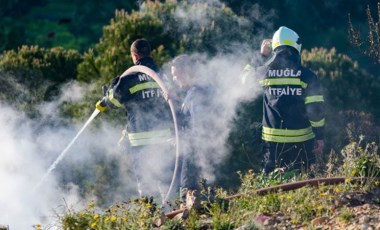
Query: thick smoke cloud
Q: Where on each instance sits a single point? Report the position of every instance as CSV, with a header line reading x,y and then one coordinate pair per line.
x,y
223,72
20,168
222,76
30,146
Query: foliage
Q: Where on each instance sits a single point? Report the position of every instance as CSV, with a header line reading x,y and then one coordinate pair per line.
x,y
210,29
347,89
32,74
346,85
297,207
371,45
362,160
69,24
346,215
46,22
304,204
13,32
138,214
55,64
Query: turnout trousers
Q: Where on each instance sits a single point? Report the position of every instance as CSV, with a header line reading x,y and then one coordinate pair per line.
x,y
289,156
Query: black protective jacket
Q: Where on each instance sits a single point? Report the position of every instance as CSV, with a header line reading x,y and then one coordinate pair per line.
x,y
195,108
293,99
149,115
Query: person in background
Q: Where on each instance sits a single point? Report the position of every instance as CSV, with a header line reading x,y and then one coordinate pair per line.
x,y
194,119
293,111
149,123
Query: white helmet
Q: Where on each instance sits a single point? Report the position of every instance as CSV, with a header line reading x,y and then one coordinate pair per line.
x,y
285,36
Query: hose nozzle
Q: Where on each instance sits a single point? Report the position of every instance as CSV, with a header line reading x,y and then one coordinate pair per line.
x,y
101,105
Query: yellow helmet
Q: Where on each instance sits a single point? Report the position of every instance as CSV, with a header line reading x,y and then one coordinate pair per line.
x,y
285,36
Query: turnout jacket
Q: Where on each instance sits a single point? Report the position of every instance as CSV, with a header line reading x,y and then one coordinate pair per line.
x,y
293,101
148,114
195,108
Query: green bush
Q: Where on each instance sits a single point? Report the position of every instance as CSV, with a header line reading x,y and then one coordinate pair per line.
x,y
350,95
347,86
55,64
34,74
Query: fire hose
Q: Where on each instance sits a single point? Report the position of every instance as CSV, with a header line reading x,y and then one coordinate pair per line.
x,y
283,188
157,79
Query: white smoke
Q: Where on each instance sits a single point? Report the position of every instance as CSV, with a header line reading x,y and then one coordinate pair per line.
x,y
28,148
20,168
223,72
222,75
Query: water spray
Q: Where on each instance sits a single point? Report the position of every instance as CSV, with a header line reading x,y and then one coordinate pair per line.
x,y
63,153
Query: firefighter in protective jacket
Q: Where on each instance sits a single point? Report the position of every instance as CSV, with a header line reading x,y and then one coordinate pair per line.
x,y
293,113
149,123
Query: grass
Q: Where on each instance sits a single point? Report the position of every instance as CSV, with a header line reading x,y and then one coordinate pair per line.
x,y
296,208
346,215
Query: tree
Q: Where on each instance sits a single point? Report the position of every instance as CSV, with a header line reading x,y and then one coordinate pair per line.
x,y
208,29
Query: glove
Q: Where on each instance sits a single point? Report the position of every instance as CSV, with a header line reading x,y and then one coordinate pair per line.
x,y
101,105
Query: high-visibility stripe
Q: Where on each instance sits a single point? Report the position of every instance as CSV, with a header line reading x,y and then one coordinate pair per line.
x,y
317,124
148,138
112,99
247,71
142,86
149,134
288,42
248,67
313,99
283,81
284,139
143,142
287,132
283,42
287,135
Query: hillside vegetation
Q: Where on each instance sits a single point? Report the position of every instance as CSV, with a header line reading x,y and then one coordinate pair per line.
x,y
53,45
353,204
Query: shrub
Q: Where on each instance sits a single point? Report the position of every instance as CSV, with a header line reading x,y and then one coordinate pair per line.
x,y
34,74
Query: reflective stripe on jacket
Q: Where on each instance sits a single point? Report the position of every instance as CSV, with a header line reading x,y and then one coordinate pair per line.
x,y
287,135
150,137
293,99
149,119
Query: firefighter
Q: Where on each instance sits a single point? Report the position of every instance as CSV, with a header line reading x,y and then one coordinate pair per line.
x,y
293,111
149,124
194,124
